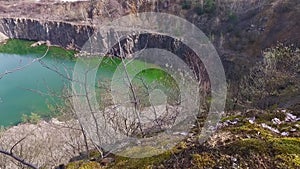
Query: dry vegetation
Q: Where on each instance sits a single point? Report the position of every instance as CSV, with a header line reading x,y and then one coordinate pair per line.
x,y
238,143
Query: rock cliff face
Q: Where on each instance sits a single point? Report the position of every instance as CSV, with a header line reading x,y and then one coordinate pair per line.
x,y
63,34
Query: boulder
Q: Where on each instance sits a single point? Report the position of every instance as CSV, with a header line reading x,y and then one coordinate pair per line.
x,y
2,37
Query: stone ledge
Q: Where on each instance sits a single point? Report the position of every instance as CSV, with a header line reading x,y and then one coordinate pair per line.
x,y
3,37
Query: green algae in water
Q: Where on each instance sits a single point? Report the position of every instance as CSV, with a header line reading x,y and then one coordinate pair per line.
x,y
144,82
23,47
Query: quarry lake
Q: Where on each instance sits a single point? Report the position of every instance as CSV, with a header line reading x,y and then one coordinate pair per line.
x,y
35,87
28,88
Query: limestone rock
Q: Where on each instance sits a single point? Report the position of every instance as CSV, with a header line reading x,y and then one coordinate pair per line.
x,y
2,37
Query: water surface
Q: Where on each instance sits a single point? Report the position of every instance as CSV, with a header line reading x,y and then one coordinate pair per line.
x,y
34,88
30,89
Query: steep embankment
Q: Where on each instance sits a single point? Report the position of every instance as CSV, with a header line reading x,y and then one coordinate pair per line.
x,y
263,27
63,34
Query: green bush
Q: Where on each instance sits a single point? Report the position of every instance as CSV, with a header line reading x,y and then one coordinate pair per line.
x,y
186,4
33,118
274,78
209,6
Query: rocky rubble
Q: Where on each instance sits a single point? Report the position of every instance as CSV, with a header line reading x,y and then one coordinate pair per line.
x,y
45,144
245,140
289,119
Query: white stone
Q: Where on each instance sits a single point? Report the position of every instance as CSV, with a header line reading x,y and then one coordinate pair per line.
x,y
285,133
2,37
270,128
252,120
276,121
184,133
283,111
290,117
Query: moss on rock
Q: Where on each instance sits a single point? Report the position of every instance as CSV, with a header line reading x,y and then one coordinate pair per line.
x,y
83,165
203,160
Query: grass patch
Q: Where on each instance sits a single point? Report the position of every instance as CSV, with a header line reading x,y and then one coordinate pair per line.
x,y
203,160
83,165
277,146
267,117
289,161
23,47
148,162
286,145
251,129
142,151
248,146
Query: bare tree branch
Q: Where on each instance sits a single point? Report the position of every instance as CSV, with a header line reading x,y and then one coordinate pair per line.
x,y
18,159
24,66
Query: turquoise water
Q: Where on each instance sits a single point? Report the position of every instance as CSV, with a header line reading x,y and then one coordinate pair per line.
x,y
33,89
28,90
